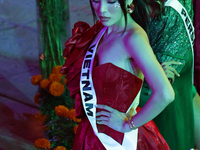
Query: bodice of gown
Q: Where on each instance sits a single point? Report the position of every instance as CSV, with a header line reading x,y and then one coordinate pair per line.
x,y
115,87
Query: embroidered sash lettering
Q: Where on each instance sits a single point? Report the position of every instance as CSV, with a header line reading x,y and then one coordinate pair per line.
x,y
86,82
188,25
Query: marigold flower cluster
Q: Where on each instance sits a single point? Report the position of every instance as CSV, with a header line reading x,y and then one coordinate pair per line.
x,y
36,98
45,84
56,70
55,77
60,148
55,83
35,80
61,111
42,143
56,89
40,117
55,86
71,115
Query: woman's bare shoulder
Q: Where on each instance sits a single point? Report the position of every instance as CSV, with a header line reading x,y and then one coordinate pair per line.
x,y
137,33
136,39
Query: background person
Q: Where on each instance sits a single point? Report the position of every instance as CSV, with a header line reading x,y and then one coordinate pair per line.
x,y
170,43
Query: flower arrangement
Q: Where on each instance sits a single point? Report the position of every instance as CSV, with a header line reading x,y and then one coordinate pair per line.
x,y
36,79
56,111
56,89
61,111
42,144
44,84
55,77
52,90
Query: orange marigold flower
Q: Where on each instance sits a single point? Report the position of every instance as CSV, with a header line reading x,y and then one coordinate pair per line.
x,y
64,81
55,77
61,111
56,70
56,89
40,117
71,115
75,129
42,143
60,148
36,99
35,80
45,83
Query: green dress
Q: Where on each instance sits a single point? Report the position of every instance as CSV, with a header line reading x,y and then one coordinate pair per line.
x,y
169,41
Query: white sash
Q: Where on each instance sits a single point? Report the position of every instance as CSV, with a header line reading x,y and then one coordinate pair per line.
x,y
187,22
89,101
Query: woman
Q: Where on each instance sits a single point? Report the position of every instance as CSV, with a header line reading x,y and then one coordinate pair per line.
x,y
113,75
171,45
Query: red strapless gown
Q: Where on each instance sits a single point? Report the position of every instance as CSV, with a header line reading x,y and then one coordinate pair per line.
x,y
114,87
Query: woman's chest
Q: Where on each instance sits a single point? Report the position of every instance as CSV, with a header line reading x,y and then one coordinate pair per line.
x,y
112,51
115,53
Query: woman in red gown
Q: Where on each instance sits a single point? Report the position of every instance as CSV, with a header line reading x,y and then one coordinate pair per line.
x,y
120,58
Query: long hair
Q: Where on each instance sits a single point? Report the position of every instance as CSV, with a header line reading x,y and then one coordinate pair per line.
x,y
141,13
157,6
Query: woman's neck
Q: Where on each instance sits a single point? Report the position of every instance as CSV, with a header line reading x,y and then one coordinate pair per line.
x,y
120,26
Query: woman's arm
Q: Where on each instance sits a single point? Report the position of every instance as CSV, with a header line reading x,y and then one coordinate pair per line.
x,y
139,49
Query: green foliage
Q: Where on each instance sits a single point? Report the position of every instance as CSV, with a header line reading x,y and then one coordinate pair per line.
x,y
53,16
59,129
49,102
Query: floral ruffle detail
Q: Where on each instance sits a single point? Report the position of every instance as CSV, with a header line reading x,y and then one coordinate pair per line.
x,y
75,50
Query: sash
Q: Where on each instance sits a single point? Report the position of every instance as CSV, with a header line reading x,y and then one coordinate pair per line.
x,y
187,22
89,101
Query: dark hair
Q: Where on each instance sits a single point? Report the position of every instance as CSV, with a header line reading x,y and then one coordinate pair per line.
x,y
157,6
141,12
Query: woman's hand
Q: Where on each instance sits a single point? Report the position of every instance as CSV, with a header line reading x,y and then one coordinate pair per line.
x,y
113,118
170,71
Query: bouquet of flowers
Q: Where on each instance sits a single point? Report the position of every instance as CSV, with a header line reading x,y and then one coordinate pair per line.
x,y
56,111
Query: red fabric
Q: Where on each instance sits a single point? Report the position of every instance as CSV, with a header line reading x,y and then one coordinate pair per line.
x,y
75,50
114,87
197,45
149,137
